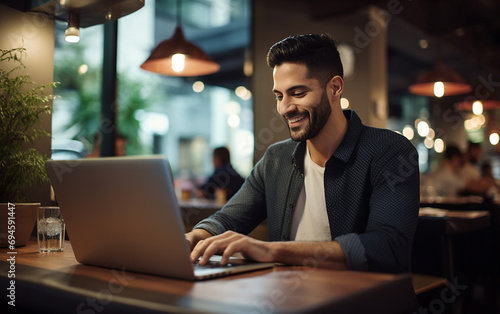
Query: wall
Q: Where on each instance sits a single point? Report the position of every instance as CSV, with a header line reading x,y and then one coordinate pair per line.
x,y
34,32
365,31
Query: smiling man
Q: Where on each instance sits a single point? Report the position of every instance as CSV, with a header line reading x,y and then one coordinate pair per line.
x,y
338,194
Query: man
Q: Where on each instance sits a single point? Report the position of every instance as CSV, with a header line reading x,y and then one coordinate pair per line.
x,y
346,194
120,145
470,167
445,180
224,177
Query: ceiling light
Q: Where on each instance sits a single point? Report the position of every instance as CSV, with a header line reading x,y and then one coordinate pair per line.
x,y
72,33
198,86
439,89
408,132
477,107
90,12
233,121
431,134
439,82
177,57
487,104
429,143
439,145
344,103
494,138
423,128
474,103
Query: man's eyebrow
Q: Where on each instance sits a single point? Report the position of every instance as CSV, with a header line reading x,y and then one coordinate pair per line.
x,y
291,88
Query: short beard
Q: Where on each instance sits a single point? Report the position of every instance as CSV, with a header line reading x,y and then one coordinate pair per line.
x,y
317,120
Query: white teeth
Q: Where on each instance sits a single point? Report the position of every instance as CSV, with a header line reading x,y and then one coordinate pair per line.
x,y
296,119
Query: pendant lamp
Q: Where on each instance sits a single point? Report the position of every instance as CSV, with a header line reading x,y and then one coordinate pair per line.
x,y
481,101
178,57
439,82
79,13
482,98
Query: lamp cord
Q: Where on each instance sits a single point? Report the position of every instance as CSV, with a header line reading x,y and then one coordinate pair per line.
x,y
179,12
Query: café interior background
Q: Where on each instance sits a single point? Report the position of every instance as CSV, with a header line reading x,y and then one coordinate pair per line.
x,y
385,46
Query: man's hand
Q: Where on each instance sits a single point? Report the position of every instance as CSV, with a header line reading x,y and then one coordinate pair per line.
x,y
230,243
327,254
196,235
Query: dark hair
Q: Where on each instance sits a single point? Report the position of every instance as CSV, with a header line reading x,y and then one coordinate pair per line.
x,y
98,137
121,136
318,52
452,151
223,154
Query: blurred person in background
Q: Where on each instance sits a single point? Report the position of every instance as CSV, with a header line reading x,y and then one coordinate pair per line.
x,y
447,180
225,179
472,157
120,145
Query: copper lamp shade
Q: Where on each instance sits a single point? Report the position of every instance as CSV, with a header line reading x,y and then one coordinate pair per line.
x,y
487,99
487,105
196,61
453,83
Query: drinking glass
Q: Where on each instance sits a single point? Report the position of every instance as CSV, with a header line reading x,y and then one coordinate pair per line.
x,y
50,229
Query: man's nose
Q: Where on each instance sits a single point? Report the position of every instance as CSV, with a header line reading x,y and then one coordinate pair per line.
x,y
286,106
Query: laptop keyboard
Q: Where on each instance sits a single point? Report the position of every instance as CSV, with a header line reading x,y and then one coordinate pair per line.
x,y
211,264
217,264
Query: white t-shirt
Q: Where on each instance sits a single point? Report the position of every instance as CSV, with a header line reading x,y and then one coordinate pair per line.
x,y
310,219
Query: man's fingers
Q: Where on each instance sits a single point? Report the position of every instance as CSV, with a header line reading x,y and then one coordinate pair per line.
x,y
206,249
198,250
233,248
212,248
217,244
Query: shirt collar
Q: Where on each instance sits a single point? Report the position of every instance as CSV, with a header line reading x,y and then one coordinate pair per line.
x,y
346,147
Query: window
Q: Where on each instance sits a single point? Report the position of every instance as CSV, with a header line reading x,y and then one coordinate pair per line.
x,y
159,114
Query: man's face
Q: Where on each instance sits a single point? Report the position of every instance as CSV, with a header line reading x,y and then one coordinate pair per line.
x,y
120,144
301,101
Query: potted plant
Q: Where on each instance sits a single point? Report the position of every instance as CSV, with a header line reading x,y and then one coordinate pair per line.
x,y
21,165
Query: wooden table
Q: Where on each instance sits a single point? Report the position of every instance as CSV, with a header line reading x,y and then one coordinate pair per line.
x,y
57,283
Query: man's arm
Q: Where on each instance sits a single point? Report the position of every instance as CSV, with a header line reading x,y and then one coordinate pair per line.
x,y
386,244
314,254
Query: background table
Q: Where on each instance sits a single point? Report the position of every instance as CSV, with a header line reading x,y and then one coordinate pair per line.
x,y
56,283
447,240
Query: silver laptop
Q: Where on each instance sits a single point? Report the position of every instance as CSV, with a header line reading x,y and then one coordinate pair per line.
x,y
121,212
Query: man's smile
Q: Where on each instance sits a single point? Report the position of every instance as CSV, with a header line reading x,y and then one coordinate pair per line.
x,y
295,120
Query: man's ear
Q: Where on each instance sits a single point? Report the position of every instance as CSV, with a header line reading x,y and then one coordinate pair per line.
x,y
336,86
